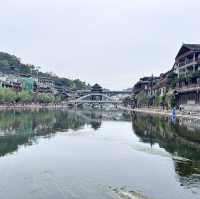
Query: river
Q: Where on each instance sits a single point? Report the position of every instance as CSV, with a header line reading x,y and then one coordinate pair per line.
x,y
54,154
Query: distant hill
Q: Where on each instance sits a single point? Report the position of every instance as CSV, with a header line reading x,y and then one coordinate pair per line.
x,y
8,60
128,89
10,64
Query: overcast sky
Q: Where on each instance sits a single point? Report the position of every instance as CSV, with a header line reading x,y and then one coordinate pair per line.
x,y
112,42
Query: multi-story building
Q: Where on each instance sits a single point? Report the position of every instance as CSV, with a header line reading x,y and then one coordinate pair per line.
x,y
164,83
187,60
145,84
46,85
10,81
187,66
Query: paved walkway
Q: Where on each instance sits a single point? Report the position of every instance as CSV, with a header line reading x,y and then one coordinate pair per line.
x,y
168,113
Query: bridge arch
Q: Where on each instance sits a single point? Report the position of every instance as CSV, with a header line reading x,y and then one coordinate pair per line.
x,y
104,96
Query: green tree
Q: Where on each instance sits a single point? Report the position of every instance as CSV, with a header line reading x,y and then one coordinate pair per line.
x,y
25,69
158,100
173,102
7,95
9,60
57,99
4,62
64,82
79,84
45,98
25,97
142,98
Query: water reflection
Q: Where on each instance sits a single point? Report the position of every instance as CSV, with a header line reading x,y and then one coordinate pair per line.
x,y
23,128
180,139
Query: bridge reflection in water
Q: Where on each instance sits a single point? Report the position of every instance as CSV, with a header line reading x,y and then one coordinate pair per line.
x,y
24,127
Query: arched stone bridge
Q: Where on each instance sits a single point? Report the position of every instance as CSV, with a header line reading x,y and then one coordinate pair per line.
x,y
108,93
95,98
97,95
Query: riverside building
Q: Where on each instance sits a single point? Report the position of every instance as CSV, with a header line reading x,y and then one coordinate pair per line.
x,y
187,68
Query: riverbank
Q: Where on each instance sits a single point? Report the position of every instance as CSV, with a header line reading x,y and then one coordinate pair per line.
x,y
165,113
150,111
31,106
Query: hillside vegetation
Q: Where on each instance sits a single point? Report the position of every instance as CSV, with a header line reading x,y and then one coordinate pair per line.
x,y
10,64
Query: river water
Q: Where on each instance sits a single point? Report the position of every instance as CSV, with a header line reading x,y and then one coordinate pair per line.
x,y
97,155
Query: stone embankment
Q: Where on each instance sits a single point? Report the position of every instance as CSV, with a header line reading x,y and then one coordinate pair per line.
x,y
30,106
166,113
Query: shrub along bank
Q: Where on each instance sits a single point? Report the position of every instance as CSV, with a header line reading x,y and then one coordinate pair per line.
x,y
165,101
9,96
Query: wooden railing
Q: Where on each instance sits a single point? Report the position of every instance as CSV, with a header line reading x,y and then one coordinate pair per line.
x,y
189,87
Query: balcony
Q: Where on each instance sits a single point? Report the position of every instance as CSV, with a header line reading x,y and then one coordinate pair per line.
x,y
188,88
188,62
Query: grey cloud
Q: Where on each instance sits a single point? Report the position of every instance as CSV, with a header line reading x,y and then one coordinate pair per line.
x,y
112,42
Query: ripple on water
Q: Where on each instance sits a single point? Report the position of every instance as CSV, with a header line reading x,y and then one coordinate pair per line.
x,y
124,193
